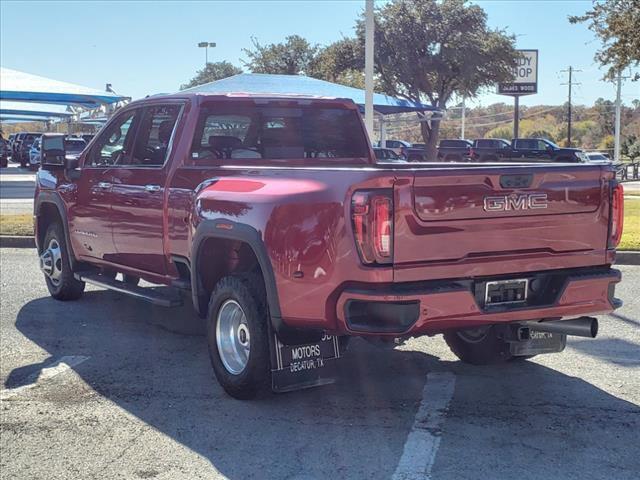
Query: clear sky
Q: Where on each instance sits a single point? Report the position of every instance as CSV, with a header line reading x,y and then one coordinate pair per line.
x,y
150,47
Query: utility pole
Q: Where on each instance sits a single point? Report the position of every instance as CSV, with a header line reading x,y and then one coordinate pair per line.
x,y
464,111
616,150
516,116
369,26
571,70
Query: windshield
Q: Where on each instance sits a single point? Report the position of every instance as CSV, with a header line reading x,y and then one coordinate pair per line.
x,y
276,132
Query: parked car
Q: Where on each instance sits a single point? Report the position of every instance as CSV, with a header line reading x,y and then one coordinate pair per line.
x,y
15,146
490,150
4,152
541,149
523,150
34,154
397,146
386,155
454,150
23,148
597,157
291,239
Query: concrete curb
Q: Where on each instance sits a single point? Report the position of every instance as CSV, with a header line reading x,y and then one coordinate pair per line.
x,y
14,241
627,258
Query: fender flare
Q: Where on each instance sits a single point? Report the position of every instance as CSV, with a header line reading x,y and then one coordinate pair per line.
x,y
54,198
249,235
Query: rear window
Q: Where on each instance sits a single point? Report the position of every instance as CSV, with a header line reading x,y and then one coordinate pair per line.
x,y
277,132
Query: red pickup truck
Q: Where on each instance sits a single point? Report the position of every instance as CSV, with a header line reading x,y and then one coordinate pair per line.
x,y
273,214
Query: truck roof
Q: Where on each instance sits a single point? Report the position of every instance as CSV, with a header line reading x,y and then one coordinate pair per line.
x,y
202,96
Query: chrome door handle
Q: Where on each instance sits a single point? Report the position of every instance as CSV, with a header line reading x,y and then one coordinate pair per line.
x,y
152,188
104,185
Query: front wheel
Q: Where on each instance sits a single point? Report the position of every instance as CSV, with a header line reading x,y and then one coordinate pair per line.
x,y
478,346
237,336
55,264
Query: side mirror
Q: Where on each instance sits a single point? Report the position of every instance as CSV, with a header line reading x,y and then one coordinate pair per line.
x,y
71,163
52,153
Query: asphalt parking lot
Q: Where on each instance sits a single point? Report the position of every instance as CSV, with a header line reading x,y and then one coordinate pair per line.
x,y
108,387
16,190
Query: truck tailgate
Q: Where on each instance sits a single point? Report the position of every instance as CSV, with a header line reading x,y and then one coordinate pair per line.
x,y
484,218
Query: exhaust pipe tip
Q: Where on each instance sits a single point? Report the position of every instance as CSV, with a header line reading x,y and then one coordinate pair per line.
x,y
580,327
594,327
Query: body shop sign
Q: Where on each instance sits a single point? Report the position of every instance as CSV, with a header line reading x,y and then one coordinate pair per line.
x,y
525,75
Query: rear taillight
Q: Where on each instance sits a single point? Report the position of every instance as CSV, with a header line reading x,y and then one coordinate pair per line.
x,y
617,216
372,218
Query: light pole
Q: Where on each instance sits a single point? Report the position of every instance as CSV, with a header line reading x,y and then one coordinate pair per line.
x,y
206,46
368,67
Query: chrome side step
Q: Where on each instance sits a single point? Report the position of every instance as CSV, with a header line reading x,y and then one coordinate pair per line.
x,y
150,295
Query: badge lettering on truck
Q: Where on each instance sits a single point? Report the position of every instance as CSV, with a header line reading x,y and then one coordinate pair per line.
x,y
294,367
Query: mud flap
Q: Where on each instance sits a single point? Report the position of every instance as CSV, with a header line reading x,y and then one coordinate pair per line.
x,y
295,367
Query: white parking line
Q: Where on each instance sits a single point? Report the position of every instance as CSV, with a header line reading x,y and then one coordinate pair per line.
x,y
61,366
424,438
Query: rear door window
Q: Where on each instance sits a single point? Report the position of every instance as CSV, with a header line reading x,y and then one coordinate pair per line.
x,y
526,144
278,133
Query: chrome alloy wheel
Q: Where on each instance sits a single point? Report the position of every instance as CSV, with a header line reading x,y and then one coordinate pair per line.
x,y
51,262
232,337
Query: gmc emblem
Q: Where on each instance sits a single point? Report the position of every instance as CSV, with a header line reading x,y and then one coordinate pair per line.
x,y
504,203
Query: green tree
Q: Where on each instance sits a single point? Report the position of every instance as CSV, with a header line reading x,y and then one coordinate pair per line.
x,y
605,115
616,23
292,57
431,51
212,72
634,150
504,131
340,62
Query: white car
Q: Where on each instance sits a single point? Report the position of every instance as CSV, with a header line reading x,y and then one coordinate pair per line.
x,y
597,157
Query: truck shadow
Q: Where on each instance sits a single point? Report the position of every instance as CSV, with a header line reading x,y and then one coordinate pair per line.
x,y
153,363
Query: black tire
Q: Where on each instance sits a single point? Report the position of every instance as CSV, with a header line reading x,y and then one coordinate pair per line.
x,y
247,292
130,279
66,287
478,346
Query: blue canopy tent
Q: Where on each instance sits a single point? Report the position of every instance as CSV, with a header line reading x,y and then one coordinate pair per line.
x,y
27,109
260,83
24,87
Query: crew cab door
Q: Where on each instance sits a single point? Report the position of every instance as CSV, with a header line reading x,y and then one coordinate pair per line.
x,y
90,216
138,192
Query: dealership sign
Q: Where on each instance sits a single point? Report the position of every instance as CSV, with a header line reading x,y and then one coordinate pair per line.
x,y
525,75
